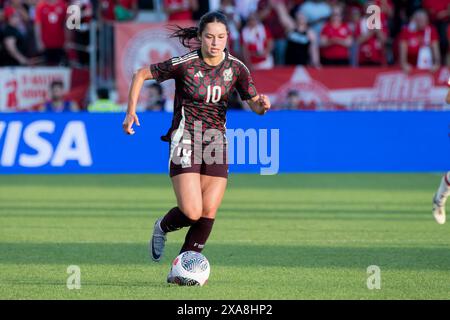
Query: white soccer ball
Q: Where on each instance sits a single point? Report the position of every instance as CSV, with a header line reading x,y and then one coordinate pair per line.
x,y
190,268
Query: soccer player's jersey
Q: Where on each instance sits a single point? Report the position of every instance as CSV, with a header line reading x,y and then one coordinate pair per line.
x,y
202,91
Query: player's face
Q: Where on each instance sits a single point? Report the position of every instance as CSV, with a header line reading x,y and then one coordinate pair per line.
x,y
214,39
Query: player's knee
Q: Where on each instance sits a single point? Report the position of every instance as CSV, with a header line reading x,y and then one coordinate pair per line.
x,y
192,211
209,212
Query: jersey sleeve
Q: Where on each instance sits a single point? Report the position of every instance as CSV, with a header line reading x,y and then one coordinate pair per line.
x,y
245,85
165,70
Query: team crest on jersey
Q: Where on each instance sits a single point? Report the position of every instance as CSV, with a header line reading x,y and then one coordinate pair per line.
x,y
228,75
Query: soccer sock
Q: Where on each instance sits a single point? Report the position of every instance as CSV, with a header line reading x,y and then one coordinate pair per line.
x,y
174,220
197,235
444,189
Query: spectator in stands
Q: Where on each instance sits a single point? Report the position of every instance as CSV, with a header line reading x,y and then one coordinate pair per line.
x,y
228,8
439,11
403,10
57,101
371,42
22,12
14,41
257,44
246,7
117,10
82,34
302,46
180,9
292,100
103,103
155,98
269,17
205,6
317,13
335,40
419,44
353,22
50,28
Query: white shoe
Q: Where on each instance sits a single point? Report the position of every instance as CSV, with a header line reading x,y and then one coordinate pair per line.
x,y
438,210
157,242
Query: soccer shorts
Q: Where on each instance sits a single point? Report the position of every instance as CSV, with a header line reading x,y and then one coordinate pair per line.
x,y
210,160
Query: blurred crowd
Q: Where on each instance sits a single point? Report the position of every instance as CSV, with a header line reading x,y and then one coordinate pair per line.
x,y
264,33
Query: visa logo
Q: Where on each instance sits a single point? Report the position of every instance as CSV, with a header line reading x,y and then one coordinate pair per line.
x,y
72,145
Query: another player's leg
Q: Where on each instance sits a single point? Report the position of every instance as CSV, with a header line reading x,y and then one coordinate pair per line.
x,y
213,189
187,189
440,199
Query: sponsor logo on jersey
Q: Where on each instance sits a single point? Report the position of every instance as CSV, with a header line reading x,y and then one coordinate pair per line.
x,y
199,74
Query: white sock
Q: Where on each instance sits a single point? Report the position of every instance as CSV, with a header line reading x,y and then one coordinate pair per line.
x,y
444,189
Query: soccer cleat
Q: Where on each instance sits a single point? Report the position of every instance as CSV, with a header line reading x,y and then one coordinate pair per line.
x,y
439,210
157,242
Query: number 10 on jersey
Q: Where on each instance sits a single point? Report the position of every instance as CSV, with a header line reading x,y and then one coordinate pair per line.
x,y
213,94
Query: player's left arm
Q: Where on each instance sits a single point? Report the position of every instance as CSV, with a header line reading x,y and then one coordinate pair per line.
x,y
259,104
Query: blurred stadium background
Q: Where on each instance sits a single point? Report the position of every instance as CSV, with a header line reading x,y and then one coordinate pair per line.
x,y
346,99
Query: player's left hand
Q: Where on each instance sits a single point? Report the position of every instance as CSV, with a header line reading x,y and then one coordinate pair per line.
x,y
264,103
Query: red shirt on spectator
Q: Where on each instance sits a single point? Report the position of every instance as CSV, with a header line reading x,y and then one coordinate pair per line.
x,y
434,7
372,49
272,21
185,14
335,51
256,41
51,15
107,7
415,40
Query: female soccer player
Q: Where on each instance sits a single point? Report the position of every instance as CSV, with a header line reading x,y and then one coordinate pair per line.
x,y
440,199
205,79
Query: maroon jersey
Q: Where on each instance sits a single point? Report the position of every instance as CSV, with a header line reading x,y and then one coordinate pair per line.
x,y
202,91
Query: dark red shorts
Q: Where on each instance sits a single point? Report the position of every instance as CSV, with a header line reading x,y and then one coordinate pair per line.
x,y
210,160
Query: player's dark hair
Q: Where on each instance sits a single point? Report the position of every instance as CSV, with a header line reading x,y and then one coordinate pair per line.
x,y
186,35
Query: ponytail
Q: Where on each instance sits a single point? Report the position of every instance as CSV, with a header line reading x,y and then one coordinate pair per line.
x,y
186,35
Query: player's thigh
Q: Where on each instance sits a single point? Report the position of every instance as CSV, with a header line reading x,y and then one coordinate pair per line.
x,y
187,187
213,190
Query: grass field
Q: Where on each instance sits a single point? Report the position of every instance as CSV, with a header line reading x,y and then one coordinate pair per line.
x,y
276,237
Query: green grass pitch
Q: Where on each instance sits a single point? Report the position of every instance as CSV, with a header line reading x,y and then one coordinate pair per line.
x,y
276,237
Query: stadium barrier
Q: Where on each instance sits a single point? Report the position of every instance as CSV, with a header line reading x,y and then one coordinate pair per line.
x,y
279,142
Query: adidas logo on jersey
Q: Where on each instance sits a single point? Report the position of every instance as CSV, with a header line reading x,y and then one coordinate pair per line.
x,y
199,74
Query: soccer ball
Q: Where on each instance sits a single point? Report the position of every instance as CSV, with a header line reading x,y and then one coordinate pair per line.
x,y
190,268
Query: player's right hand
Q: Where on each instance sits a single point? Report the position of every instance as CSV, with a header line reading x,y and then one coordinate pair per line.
x,y
127,124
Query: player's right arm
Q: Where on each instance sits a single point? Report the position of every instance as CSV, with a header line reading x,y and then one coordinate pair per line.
x,y
136,85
